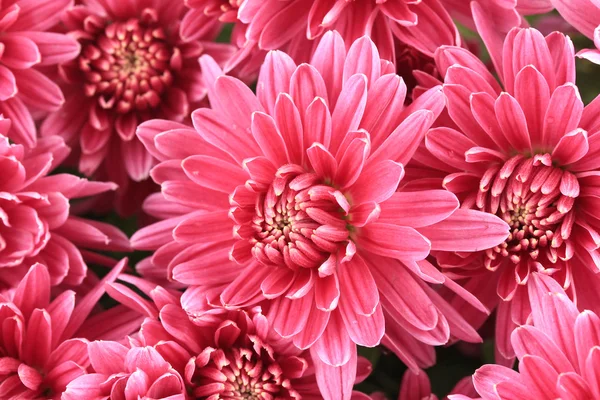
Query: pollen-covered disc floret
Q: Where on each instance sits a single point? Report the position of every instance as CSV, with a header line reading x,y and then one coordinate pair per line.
x,y
127,64
536,199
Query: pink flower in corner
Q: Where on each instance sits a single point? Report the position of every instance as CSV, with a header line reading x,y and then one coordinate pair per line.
x,y
528,154
133,66
290,195
39,351
559,355
35,220
26,45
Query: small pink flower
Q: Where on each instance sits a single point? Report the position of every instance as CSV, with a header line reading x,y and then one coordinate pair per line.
x,y
559,356
290,195
35,220
528,154
39,351
133,66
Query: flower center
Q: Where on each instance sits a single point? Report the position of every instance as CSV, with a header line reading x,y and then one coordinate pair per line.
x,y
297,221
536,200
240,373
127,65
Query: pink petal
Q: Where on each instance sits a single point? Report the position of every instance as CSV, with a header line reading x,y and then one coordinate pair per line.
x,y
466,230
335,347
349,109
511,119
402,143
335,382
34,290
564,112
363,58
377,182
418,209
107,357
393,241
275,77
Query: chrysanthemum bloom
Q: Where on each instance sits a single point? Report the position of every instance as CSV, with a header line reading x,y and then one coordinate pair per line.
x,y
528,154
291,195
35,220
220,354
39,351
133,66
559,356
273,24
26,45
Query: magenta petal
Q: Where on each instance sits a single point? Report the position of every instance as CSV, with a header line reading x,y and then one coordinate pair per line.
x,y
335,382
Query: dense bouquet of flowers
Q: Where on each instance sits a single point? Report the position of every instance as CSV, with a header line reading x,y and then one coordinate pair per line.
x,y
300,199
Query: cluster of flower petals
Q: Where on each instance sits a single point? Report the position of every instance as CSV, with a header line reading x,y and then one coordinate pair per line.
x,y
36,224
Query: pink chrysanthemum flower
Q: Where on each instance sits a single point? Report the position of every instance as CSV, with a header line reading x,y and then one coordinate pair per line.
x,y
40,352
291,195
559,356
26,45
219,354
528,154
133,66
273,24
35,220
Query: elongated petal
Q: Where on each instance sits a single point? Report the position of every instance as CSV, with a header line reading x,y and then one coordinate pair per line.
x,y
466,230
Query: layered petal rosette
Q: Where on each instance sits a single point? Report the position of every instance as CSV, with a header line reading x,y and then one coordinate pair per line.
x,y
527,153
133,66
290,195
27,48
40,348
559,354
35,220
